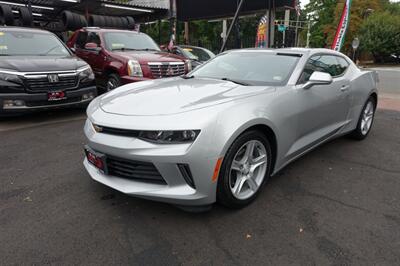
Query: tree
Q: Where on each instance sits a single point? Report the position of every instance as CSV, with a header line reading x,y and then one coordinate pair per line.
x,y
321,13
380,34
325,15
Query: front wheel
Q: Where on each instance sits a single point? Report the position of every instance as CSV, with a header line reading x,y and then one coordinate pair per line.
x,y
113,82
366,120
246,167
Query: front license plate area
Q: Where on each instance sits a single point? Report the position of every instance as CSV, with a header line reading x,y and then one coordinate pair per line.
x,y
56,96
97,159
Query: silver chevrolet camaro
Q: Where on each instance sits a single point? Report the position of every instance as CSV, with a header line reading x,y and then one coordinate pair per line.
x,y
219,133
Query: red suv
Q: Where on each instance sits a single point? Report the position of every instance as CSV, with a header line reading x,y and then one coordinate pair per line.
x,y
119,57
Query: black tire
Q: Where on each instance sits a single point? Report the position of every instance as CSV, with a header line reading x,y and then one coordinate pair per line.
x,y
25,17
83,21
67,19
131,23
94,21
109,22
114,22
358,133
124,23
119,22
224,193
115,80
6,15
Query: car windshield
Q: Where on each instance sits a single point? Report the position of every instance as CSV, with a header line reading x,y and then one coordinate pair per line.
x,y
188,54
129,41
202,54
27,43
251,68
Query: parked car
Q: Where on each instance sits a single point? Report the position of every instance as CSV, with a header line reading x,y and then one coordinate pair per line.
x,y
37,71
120,56
220,133
197,55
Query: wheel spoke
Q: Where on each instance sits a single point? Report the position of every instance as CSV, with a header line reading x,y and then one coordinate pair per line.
x,y
252,184
236,165
249,151
239,185
261,160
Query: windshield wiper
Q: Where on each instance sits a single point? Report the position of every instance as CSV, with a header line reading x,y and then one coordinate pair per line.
x,y
125,49
50,50
133,49
187,77
236,81
148,49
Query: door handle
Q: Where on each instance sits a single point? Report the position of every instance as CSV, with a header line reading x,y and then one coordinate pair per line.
x,y
345,88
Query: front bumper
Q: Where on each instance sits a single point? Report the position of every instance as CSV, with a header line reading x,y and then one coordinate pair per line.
x,y
129,79
165,158
38,101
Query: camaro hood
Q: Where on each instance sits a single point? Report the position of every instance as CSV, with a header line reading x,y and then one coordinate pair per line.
x,y
172,96
40,63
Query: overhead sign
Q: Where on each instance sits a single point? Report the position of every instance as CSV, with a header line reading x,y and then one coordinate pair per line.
x,y
262,39
342,27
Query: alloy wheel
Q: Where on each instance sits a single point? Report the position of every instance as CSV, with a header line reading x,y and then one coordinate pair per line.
x,y
248,169
367,117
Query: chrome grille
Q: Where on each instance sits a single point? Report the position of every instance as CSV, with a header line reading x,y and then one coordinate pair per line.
x,y
169,69
41,83
129,169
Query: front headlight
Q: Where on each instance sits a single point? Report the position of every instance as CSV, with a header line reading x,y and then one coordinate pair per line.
x,y
86,74
9,77
169,137
134,69
189,65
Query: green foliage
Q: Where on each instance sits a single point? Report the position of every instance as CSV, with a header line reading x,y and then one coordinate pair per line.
x,y
380,34
321,13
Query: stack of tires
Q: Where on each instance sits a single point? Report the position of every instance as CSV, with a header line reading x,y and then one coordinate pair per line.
x,y
7,16
111,22
25,17
72,21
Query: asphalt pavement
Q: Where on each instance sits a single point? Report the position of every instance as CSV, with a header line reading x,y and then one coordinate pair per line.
x,y
338,205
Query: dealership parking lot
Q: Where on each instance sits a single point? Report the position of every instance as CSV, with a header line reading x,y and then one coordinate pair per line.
x,y
338,205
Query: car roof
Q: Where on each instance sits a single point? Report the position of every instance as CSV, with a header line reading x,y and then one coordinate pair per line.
x,y
295,50
97,29
22,29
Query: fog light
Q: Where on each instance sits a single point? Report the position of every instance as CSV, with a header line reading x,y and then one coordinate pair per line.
x,y
12,103
88,96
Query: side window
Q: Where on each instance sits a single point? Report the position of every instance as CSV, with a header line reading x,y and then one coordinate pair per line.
x,y
94,38
323,63
81,40
329,64
343,65
313,64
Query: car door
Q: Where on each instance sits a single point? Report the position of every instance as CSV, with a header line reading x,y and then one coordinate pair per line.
x,y
79,46
95,58
322,109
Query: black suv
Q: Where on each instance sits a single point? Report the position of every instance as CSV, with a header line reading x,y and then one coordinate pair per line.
x,y
38,71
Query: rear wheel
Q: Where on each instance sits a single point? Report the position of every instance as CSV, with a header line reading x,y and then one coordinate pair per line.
x,y
245,169
366,120
113,82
